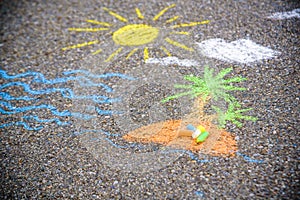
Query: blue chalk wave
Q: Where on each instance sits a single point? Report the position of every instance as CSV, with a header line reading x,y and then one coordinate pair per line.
x,y
84,78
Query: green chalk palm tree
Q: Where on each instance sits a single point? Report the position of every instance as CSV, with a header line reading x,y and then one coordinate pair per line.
x,y
217,88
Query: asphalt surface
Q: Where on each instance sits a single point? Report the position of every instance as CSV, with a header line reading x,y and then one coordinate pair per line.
x,y
55,162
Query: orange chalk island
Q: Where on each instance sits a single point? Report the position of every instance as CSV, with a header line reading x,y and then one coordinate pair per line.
x,y
173,133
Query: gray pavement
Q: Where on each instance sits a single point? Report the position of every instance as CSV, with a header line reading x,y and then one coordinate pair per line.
x,y
47,140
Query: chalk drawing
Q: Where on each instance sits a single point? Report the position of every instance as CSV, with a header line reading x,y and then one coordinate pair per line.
x,y
240,51
285,15
135,36
27,120
84,78
172,60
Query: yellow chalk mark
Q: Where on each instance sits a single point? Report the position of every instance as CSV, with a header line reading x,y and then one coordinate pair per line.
x,y
135,35
190,24
138,36
180,33
166,51
112,13
96,52
172,19
146,54
98,23
163,12
80,45
131,53
114,54
177,44
88,29
139,14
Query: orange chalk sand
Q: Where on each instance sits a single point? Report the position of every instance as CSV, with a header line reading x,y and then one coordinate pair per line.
x,y
173,133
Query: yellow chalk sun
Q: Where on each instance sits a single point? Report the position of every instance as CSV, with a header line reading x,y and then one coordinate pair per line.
x,y
135,36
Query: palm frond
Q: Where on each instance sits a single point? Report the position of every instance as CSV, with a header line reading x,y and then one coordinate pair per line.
x,y
216,87
233,115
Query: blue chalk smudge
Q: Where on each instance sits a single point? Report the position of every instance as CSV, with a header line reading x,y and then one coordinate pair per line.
x,y
121,146
200,193
96,131
189,153
107,75
82,116
248,159
106,112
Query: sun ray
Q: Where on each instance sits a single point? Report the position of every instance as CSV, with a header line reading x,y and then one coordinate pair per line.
x,y
96,52
80,45
166,51
119,17
98,23
131,53
190,24
180,33
139,14
163,12
137,36
114,54
172,19
88,29
177,44
146,53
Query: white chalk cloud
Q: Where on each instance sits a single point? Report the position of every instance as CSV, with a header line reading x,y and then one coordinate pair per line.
x,y
285,15
241,51
172,60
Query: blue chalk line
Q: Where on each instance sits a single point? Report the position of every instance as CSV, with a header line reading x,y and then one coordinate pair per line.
x,y
6,96
15,110
65,92
37,119
20,123
83,81
53,110
39,78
